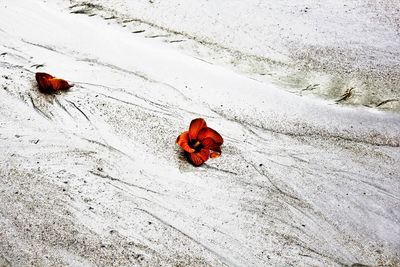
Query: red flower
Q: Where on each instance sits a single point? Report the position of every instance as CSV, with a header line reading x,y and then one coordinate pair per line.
x,y
48,83
200,142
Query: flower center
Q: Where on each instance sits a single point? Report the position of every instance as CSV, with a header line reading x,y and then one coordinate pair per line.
x,y
196,145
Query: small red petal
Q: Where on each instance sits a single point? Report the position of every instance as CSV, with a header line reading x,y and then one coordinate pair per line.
x,y
210,133
59,84
214,155
195,126
215,151
210,144
200,157
43,80
183,142
43,75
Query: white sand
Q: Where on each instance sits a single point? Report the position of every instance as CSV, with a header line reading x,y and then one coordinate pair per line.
x,y
93,176
327,47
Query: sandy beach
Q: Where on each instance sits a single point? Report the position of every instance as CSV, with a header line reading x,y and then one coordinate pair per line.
x,y
305,96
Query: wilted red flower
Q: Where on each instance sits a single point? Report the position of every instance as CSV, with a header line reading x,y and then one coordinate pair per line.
x,y
48,83
200,142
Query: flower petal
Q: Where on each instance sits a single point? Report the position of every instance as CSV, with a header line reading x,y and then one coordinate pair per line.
x,y
210,133
59,84
43,80
214,154
200,157
195,126
215,149
210,144
183,142
43,75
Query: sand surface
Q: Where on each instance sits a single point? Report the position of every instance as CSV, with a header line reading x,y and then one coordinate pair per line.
x,y
93,177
